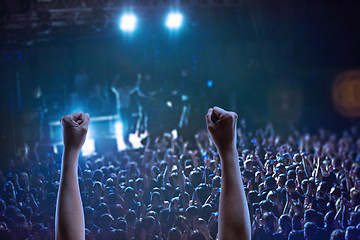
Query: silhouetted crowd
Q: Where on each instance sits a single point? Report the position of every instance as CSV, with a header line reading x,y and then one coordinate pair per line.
x,y
302,186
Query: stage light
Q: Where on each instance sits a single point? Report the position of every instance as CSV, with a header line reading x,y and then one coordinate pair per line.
x,y
184,97
169,104
89,147
135,140
128,22
209,83
174,134
174,20
119,136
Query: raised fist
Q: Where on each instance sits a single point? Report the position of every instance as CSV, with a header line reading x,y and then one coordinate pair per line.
x,y
74,129
221,125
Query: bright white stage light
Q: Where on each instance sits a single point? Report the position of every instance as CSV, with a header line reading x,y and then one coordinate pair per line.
x,y
174,20
89,147
128,22
119,136
135,140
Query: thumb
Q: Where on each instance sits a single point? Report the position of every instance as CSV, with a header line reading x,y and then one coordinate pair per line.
x,y
215,115
209,122
77,117
86,121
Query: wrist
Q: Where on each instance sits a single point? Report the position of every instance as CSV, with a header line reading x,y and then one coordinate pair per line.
x,y
68,150
225,151
70,158
229,152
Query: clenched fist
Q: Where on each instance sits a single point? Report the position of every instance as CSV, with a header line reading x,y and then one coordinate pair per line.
x,y
74,129
221,125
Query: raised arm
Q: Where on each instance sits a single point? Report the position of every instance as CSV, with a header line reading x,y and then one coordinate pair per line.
x,y
234,219
69,221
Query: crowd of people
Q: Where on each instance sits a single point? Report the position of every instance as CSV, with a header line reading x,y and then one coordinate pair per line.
x,y
300,186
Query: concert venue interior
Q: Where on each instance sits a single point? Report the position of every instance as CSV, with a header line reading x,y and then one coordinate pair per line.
x,y
147,72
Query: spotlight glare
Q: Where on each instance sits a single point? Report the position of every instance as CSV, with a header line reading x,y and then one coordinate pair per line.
x,y
135,140
89,147
174,20
128,22
119,136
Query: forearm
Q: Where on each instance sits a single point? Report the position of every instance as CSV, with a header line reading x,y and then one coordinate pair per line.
x,y
286,209
318,172
234,220
230,167
208,200
349,183
69,210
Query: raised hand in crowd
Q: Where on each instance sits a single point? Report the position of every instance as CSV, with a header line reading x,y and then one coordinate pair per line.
x,y
70,222
234,219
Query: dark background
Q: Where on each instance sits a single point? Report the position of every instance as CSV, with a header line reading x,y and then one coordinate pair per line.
x,y
270,61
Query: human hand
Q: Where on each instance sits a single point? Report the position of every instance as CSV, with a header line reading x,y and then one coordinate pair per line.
x,y
193,153
185,224
258,176
213,219
221,125
288,196
214,191
207,160
257,216
203,228
74,129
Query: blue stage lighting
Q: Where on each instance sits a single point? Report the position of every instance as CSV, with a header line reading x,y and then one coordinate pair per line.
x,y
174,20
119,128
209,83
88,148
128,22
